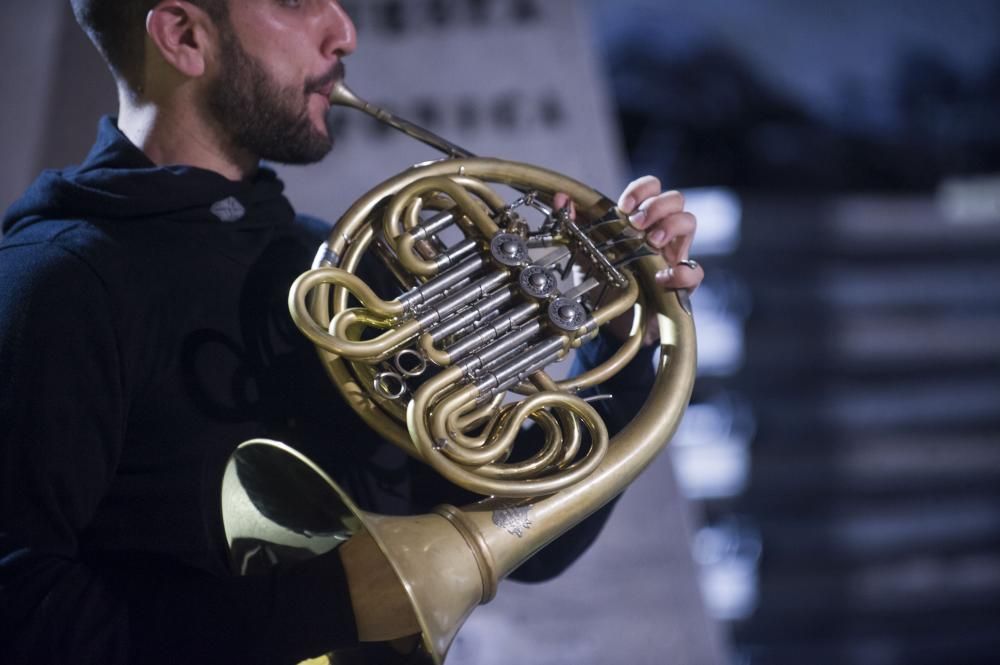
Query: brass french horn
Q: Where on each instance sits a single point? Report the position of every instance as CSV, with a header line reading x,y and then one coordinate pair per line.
x,y
434,370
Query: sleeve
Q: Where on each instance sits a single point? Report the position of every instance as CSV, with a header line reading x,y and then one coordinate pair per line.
x,y
63,405
629,389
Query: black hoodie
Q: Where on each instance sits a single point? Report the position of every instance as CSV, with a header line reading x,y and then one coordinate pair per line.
x,y
144,334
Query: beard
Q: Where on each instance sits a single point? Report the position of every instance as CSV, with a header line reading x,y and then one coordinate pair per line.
x,y
259,115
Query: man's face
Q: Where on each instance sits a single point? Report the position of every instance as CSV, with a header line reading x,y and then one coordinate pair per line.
x,y
279,114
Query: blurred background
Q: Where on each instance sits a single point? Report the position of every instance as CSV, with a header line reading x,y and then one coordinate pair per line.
x,y
833,495
842,449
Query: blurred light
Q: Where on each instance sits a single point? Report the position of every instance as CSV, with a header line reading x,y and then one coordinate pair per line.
x,y
728,555
719,213
711,449
721,305
970,200
719,331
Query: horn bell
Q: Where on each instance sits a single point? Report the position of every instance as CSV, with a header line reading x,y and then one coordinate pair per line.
x,y
279,507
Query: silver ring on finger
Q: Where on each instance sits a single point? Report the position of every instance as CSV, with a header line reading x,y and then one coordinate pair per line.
x,y
689,263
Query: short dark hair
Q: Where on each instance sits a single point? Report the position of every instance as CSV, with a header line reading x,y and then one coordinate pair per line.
x,y
118,29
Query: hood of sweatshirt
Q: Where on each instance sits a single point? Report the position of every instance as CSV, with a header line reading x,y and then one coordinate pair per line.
x,y
118,183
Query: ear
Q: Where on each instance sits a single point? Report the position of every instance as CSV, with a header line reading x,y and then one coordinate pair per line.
x,y
181,32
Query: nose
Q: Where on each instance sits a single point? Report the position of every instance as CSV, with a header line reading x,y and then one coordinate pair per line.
x,y
340,36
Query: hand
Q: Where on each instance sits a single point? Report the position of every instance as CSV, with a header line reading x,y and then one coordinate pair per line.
x,y
668,228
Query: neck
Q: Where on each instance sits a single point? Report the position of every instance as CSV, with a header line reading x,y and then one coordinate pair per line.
x,y
179,134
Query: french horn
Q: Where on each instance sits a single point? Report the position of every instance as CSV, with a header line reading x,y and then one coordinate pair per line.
x,y
450,370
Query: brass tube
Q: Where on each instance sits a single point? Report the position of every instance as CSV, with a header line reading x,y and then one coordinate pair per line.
x,y
545,458
403,241
457,401
619,359
341,95
619,305
570,425
428,445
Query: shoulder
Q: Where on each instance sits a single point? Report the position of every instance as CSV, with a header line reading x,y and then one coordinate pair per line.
x,y
42,276
55,250
46,249
51,297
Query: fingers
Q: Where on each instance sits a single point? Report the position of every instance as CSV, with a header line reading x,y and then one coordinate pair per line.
x,y
654,210
667,226
673,235
638,191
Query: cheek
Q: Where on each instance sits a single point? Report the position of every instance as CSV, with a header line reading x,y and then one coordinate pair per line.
x,y
277,61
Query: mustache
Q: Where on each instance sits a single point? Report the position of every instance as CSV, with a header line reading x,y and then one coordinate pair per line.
x,y
316,84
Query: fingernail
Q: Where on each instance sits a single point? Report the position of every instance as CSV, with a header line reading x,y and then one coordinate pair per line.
x,y
628,204
665,275
657,237
637,218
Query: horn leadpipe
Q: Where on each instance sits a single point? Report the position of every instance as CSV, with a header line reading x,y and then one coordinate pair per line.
x,y
341,95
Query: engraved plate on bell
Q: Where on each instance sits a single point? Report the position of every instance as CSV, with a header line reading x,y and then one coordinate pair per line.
x,y
515,519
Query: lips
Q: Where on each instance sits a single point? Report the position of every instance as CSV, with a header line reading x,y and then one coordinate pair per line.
x,y
324,85
325,91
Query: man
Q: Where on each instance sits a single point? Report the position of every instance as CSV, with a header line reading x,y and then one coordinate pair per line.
x,y
143,335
